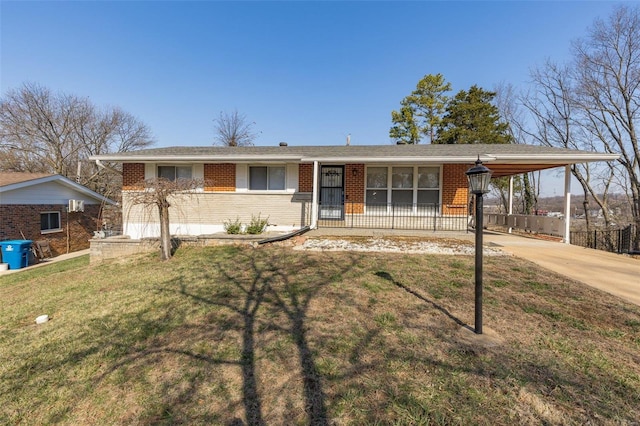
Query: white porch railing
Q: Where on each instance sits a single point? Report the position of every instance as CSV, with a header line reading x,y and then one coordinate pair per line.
x,y
539,224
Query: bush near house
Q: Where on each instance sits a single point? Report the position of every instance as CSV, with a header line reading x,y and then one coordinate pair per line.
x,y
256,226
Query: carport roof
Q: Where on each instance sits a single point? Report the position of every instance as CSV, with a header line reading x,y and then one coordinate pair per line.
x,y
504,160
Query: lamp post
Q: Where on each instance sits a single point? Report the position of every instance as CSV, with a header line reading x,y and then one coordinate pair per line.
x,y
479,177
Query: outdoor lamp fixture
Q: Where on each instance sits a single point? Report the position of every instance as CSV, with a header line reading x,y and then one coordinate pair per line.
x,y
479,177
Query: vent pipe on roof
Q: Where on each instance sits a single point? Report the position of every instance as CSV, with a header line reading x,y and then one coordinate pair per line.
x,y
284,144
349,139
401,143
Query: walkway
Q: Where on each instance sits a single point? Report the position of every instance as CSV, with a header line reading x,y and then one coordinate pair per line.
x,y
47,262
614,273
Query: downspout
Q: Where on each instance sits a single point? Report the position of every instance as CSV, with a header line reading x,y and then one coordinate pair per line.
x,y
314,197
567,204
104,166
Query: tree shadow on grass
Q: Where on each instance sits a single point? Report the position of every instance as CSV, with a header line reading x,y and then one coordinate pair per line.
x,y
263,287
387,276
142,340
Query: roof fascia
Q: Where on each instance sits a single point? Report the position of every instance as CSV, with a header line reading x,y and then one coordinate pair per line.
x,y
195,158
414,159
487,157
554,158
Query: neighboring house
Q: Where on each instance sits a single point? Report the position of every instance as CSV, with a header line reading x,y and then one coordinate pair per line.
x,y
36,206
381,186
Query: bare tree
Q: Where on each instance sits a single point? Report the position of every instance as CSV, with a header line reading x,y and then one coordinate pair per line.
x,y
608,91
506,101
559,121
52,132
159,192
233,129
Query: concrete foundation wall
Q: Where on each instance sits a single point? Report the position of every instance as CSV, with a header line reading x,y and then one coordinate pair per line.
x,y
123,248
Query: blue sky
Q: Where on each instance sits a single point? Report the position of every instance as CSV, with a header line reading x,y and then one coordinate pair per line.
x,y
307,73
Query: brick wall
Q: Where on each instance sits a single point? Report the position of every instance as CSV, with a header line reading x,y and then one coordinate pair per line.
x,y
455,189
18,220
132,175
220,177
305,177
354,180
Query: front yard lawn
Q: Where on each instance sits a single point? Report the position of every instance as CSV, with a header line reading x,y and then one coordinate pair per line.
x,y
237,335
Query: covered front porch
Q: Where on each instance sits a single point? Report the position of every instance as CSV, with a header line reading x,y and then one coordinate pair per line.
x,y
426,217
335,212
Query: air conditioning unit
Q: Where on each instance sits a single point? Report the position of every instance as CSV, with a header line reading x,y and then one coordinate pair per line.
x,y
76,205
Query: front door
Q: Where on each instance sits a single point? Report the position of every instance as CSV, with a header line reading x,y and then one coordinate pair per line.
x,y
332,192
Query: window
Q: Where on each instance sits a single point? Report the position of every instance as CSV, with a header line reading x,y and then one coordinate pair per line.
x,y
174,173
50,222
402,185
408,186
428,185
376,185
271,178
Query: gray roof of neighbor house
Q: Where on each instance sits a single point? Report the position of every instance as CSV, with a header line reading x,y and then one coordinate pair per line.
x,y
504,160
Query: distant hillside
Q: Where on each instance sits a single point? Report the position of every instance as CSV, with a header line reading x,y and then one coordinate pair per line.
x,y
618,205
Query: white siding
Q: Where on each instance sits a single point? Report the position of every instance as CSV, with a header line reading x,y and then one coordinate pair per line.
x,y
45,193
242,177
198,171
292,177
149,171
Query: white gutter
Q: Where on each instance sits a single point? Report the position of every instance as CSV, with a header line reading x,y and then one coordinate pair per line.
x,y
502,158
196,158
554,158
415,159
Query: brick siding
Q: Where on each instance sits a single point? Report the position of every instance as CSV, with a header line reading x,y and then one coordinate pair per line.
x,y
220,177
305,177
455,188
132,176
23,222
354,180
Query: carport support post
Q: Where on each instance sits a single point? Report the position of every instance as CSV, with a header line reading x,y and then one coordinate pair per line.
x,y
510,212
567,204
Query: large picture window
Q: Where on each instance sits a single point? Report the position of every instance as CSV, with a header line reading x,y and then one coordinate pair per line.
x,y
50,222
408,186
267,178
174,173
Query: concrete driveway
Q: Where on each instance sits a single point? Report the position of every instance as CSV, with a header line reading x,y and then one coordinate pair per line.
x,y
614,273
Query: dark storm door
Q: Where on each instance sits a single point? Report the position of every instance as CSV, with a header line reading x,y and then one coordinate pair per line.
x,y
332,192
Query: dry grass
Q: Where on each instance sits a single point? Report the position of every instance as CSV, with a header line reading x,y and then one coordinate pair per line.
x,y
235,335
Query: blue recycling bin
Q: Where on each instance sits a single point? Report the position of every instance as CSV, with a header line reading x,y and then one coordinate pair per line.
x,y
16,253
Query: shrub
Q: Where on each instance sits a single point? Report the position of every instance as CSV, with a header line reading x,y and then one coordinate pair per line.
x,y
257,225
234,227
